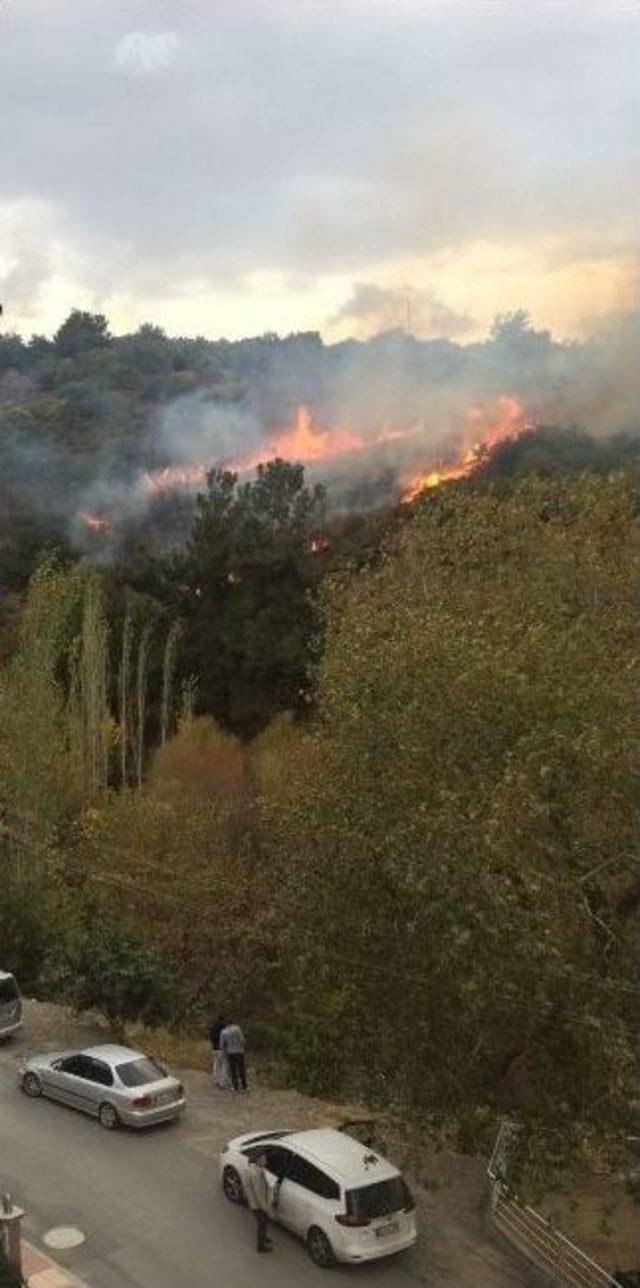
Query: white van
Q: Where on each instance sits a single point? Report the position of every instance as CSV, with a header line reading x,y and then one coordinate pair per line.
x,y
10,1005
347,1202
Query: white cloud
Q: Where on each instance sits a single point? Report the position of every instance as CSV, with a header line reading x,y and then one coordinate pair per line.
x,y
142,53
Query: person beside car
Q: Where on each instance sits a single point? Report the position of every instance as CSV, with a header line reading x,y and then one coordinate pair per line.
x,y
258,1197
232,1045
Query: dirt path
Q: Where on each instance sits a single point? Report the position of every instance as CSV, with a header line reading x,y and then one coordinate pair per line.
x,y
456,1247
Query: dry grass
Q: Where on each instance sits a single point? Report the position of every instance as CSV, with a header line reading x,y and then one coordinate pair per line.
x,y
181,1050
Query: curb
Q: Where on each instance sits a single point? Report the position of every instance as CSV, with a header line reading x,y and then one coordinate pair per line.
x,y
39,1271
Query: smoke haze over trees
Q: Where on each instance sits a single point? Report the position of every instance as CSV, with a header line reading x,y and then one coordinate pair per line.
x,y
86,418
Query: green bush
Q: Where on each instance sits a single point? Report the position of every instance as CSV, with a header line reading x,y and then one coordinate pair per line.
x,y
103,966
25,937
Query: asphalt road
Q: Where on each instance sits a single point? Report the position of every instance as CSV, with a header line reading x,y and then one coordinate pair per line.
x,y
149,1203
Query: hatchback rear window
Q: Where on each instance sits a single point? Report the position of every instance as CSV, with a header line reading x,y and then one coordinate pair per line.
x,y
380,1199
8,990
266,1135
136,1073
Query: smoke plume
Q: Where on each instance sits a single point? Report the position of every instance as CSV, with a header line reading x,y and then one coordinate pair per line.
x,y
366,418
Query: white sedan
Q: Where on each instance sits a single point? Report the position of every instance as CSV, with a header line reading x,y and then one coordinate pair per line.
x,y
347,1202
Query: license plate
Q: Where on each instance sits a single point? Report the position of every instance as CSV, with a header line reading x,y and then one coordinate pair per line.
x,y
391,1227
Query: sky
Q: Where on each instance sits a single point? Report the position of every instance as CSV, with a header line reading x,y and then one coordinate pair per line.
x,y
230,167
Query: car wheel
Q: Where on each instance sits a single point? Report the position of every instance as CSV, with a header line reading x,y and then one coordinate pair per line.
x,y
107,1116
232,1186
31,1085
320,1249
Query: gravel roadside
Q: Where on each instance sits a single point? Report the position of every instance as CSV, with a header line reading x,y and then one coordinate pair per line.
x,y
456,1247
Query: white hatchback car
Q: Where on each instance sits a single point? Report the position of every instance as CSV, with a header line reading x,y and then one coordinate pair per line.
x,y
344,1200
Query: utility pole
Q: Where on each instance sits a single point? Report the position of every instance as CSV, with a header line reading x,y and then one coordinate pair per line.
x,y
10,1239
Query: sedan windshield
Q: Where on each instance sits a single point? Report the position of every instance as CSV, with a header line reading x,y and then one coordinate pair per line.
x,y
136,1073
379,1200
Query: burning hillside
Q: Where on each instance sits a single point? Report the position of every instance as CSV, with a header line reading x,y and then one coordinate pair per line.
x,y
303,441
485,430
376,423
330,452
322,448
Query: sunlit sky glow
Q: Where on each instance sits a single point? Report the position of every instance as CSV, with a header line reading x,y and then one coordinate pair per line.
x,y
230,167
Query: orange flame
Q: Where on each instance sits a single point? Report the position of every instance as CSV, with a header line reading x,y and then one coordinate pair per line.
x,y
93,522
508,420
306,442
301,441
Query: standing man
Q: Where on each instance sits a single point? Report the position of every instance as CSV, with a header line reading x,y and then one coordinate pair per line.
x,y
219,1071
259,1200
232,1045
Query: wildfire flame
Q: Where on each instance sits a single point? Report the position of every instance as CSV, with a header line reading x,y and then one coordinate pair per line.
x,y
93,522
318,545
486,429
304,441
301,441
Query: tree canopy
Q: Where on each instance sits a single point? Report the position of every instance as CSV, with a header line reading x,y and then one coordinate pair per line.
x,y
460,832
250,567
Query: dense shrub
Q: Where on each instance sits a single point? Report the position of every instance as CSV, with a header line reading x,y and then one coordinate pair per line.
x,y
104,965
27,931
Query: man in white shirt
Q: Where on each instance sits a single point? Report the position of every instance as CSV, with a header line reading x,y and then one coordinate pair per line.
x,y
259,1199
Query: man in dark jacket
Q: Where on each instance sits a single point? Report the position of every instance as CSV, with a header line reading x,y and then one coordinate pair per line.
x,y
220,1071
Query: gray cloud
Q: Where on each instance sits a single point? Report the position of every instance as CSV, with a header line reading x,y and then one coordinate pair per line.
x,y
187,145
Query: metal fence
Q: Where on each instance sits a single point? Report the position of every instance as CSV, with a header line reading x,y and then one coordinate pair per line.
x,y
532,1234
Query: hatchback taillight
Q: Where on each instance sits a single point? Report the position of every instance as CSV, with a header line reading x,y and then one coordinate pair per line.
x,y
347,1218
142,1102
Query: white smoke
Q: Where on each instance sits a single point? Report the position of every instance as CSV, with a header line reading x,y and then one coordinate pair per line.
x,y
371,309
392,408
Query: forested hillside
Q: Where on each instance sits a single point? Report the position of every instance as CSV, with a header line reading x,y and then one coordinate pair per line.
x,y
420,889
106,440
270,740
